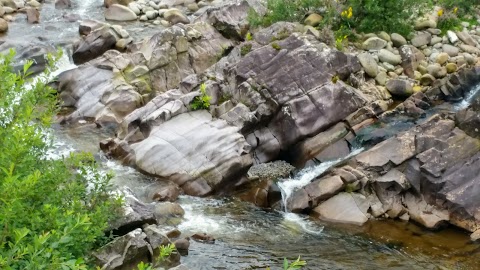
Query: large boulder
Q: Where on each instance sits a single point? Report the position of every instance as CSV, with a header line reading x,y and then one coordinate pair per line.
x,y
201,155
94,45
117,83
300,107
230,18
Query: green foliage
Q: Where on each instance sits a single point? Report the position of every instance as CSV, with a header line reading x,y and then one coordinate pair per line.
x,y
52,212
463,6
165,252
276,46
201,102
298,264
449,21
249,37
245,49
281,10
371,16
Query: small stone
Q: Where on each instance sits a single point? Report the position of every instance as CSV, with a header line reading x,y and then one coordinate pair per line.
x,y
313,19
421,39
164,23
469,58
193,7
381,78
135,8
466,38
422,69
434,31
374,43
417,75
8,10
400,87
427,80
175,16
369,64
417,88
425,24
33,3
469,49
151,14
385,36
3,26
143,18
452,37
398,40
435,40
450,50
389,57
451,68
437,71
442,58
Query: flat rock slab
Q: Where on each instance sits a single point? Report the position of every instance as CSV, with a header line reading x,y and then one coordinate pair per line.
x,y
349,208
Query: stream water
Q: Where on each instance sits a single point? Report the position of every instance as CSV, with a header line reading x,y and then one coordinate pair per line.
x,y
249,237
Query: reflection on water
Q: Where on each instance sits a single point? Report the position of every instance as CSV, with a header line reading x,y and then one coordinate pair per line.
x,y
252,238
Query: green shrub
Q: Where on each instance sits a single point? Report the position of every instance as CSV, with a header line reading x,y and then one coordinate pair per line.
x,y
461,7
52,212
201,102
165,252
284,10
448,21
245,49
370,16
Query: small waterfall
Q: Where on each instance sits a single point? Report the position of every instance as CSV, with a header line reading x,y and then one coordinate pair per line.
x,y
303,178
469,98
307,175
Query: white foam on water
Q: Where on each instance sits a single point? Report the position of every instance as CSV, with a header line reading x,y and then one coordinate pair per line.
x,y
303,223
468,98
307,175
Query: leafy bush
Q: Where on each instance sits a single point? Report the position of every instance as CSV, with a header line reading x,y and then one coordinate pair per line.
x,y
360,15
461,7
52,212
284,10
201,102
165,252
448,21
371,16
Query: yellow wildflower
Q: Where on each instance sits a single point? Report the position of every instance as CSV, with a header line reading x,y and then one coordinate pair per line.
x,y
347,13
440,13
455,10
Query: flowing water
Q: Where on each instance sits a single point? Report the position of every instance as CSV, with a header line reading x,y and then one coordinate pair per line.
x,y
307,175
251,238
248,237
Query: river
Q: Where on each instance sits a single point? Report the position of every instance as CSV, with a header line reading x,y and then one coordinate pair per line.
x,y
248,237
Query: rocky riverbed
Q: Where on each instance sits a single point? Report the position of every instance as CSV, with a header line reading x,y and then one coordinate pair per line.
x,y
388,128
